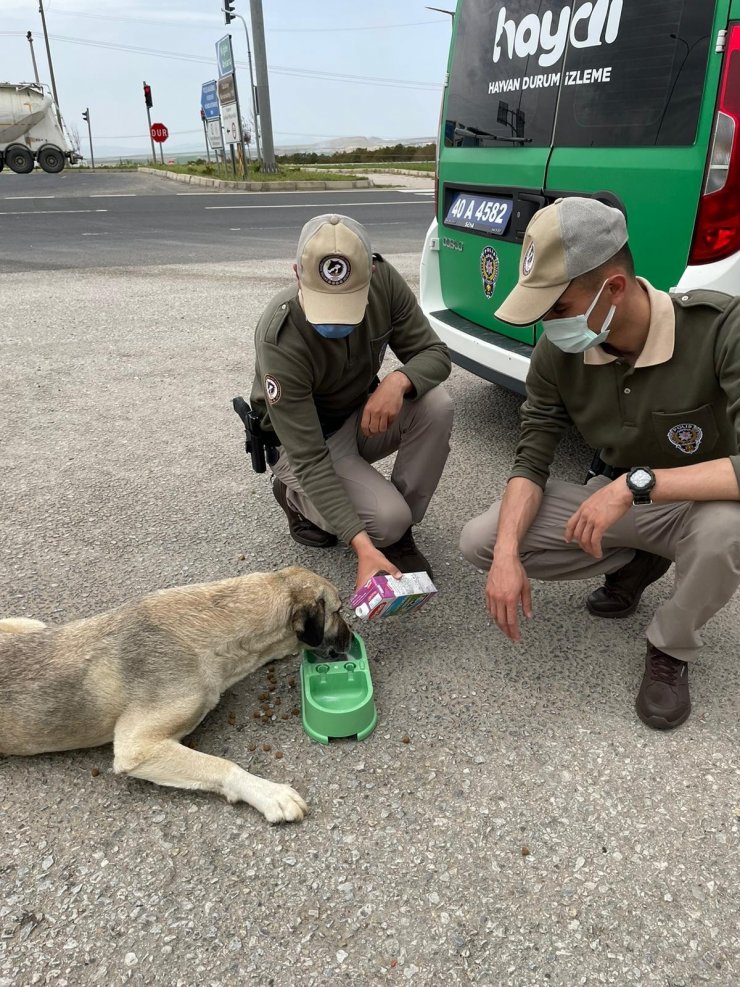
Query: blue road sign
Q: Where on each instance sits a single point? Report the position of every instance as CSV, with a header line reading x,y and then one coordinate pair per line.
x,y
209,99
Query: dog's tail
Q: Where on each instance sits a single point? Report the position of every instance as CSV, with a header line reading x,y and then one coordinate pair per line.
x,y
20,625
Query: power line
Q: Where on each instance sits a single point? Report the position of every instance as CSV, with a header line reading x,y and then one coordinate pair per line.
x,y
275,69
198,25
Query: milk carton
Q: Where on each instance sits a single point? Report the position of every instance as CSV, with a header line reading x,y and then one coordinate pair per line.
x,y
385,596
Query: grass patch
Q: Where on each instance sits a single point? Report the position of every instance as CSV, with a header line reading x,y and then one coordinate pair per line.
x,y
285,173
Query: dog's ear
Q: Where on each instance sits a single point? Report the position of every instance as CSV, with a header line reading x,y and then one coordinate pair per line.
x,y
308,622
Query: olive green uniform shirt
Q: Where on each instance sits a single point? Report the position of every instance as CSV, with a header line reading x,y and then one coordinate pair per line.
x,y
305,387
679,403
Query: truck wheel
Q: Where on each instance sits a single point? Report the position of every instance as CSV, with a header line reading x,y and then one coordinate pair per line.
x,y
51,159
20,160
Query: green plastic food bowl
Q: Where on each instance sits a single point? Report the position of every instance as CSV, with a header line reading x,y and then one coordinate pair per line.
x,y
337,696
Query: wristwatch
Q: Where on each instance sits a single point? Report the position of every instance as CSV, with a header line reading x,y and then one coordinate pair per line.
x,y
641,481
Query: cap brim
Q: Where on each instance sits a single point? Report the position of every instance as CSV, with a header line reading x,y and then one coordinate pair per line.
x,y
526,305
330,308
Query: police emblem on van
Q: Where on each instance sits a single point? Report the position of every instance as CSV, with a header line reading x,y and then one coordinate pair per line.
x,y
489,267
686,437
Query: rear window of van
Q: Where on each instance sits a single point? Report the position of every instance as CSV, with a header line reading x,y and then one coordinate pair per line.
x,y
599,73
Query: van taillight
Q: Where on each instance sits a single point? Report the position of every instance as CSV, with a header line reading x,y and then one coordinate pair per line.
x,y
717,231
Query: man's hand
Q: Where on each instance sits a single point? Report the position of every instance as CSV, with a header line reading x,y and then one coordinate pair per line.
x,y
384,404
597,514
507,587
370,560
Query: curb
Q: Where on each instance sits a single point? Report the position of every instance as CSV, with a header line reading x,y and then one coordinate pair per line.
x,y
254,186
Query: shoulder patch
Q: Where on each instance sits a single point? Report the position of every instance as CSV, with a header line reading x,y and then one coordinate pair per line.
x,y
273,390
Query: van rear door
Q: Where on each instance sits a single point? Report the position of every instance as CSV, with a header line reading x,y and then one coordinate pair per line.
x,y
497,134
634,117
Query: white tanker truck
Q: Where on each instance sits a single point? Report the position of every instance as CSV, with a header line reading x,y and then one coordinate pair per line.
x,y
30,130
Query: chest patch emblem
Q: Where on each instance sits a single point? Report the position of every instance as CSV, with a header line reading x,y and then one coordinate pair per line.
x,y
334,270
686,437
273,390
489,267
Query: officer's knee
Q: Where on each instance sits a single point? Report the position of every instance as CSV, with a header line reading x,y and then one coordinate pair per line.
x,y
390,521
438,405
477,539
716,529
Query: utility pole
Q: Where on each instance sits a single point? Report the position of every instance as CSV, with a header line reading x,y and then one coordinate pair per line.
x,y
33,58
263,86
86,117
51,67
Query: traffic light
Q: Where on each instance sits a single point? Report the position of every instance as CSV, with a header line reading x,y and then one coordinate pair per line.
x,y
229,11
148,95
86,116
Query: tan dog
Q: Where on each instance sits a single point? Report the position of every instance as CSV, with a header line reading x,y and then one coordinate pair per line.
x,y
145,675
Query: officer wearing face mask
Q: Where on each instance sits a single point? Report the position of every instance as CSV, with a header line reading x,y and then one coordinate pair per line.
x,y
319,349
652,381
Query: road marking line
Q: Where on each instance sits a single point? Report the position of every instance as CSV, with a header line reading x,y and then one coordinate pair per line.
x,y
310,205
95,234
113,195
30,197
303,191
47,212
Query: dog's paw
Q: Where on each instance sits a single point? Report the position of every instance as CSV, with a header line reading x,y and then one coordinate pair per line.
x,y
282,804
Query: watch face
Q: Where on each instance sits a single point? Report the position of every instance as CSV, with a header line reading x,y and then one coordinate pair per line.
x,y
640,479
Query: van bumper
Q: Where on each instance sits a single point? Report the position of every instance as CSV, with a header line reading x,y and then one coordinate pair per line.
x,y
483,352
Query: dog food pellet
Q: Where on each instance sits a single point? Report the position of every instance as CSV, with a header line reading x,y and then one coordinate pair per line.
x,y
291,682
232,719
252,747
277,700
278,754
262,696
266,747
257,715
295,711
272,687
525,851
285,716
95,772
405,739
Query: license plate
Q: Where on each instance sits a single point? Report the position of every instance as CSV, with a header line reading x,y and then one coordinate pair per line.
x,y
484,213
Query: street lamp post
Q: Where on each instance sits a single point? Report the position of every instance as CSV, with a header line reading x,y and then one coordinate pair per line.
x,y
29,36
251,85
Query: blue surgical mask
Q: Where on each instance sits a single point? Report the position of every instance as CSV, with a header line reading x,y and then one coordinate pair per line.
x,y
572,335
330,331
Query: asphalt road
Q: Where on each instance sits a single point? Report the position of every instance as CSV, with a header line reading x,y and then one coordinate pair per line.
x,y
82,219
533,833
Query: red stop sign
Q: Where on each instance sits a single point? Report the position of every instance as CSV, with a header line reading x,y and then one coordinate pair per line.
x,y
159,133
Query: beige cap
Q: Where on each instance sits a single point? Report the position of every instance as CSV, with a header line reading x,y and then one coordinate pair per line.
x,y
334,263
561,242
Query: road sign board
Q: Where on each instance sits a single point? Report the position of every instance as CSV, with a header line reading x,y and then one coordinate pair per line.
x,y
224,55
230,120
209,99
227,89
159,133
215,137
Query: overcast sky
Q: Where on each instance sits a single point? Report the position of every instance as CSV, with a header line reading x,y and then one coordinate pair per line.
x,y
337,69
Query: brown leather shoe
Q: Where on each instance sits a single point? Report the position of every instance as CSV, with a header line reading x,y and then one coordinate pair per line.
x,y
406,555
663,701
302,530
621,592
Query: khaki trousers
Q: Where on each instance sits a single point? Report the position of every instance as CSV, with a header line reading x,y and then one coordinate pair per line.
x,y
702,538
420,435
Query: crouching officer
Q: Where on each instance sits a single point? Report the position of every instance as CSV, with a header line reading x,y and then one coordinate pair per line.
x,y
653,381
319,347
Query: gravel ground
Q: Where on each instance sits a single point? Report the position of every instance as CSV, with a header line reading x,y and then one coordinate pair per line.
x,y
532,832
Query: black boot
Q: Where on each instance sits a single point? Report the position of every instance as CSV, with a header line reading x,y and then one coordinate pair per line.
x,y
405,554
663,701
621,592
301,529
